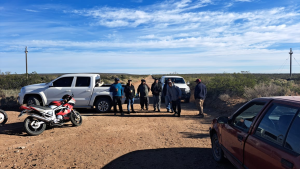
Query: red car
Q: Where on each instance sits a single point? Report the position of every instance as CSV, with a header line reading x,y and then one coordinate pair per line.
x,y
264,133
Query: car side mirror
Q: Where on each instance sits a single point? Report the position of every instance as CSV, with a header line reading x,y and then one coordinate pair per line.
x,y
188,83
50,84
223,120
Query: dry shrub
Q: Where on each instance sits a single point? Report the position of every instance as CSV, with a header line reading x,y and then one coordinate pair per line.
x,y
224,97
264,90
8,99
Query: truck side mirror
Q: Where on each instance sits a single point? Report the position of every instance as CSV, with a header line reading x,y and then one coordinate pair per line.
x,y
223,120
188,83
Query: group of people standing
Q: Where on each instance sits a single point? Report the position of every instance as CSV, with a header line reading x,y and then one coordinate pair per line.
x,y
170,91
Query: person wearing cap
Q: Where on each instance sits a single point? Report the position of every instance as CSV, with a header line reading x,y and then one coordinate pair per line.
x,y
117,92
200,95
129,93
167,99
143,91
174,93
156,90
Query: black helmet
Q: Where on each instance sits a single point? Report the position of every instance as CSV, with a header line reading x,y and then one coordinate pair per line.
x,y
67,97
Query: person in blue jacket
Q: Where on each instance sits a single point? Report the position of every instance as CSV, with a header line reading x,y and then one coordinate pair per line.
x,y
200,95
117,93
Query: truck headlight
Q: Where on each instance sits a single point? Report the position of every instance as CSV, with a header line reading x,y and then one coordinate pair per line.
x,y
187,90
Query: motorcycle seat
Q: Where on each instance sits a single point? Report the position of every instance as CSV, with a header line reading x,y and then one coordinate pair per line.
x,y
41,107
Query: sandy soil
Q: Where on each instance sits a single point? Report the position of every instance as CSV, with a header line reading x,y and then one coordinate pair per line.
x,y
139,140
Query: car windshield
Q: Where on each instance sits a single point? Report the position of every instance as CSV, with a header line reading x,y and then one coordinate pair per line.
x,y
177,80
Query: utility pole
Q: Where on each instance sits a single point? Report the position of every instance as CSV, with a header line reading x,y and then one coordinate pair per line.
x,y
291,56
26,62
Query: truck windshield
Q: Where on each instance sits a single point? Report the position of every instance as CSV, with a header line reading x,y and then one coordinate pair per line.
x,y
176,80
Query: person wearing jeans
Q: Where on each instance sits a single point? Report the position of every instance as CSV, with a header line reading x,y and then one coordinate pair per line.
x,y
167,99
174,94
117,93
129,93
156,91
200,95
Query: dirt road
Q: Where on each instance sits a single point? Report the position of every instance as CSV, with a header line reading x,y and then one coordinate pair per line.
x,y
141,140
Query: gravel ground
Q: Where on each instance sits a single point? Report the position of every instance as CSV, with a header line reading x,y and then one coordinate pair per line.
x,y
139,140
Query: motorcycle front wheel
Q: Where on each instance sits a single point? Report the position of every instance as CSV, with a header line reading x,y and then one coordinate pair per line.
x,y
34,127
76,118
3,117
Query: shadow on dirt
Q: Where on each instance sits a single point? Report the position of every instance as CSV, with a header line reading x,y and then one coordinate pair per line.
x,y
194,135
168,158
13,129
17,129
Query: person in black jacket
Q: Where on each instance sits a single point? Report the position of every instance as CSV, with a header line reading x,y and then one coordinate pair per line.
x,y
200,95
129,91
143,91
156,89
167,99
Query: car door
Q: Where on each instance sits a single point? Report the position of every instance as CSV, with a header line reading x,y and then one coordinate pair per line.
x,y
266,146
82,90
235,133
59,88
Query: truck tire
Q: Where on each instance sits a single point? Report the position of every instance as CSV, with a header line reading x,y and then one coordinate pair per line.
x,y
217,151
3,117
33,100
103,105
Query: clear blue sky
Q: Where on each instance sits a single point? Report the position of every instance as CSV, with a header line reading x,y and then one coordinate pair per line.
x,y
149,36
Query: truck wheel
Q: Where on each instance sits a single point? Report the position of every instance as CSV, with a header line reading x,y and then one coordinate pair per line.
x,y
3,117
33,100
103,105
217,151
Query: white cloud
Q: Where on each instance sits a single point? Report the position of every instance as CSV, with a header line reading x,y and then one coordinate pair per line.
x,y
30,10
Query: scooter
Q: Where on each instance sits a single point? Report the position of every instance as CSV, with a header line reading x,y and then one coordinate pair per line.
x,y
3,117
58,113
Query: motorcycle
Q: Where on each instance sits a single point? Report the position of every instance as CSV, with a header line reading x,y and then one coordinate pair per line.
x,y
58,113
3,117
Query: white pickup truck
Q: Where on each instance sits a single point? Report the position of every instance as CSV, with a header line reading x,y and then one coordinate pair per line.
x,y
180,82
87,89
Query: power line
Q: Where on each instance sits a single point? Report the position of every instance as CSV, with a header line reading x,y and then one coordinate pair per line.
x,y
282,65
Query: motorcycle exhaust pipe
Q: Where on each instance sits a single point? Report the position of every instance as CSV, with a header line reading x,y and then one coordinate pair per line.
x,y
40,118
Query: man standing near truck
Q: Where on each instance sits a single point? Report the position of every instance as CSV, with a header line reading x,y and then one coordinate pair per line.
x,y
174,94
200,95
117,93
129,93
167,99
156,91
143,91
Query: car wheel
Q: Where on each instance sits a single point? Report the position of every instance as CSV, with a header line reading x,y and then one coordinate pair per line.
x,y
217,151
3,117
103,105
33,100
